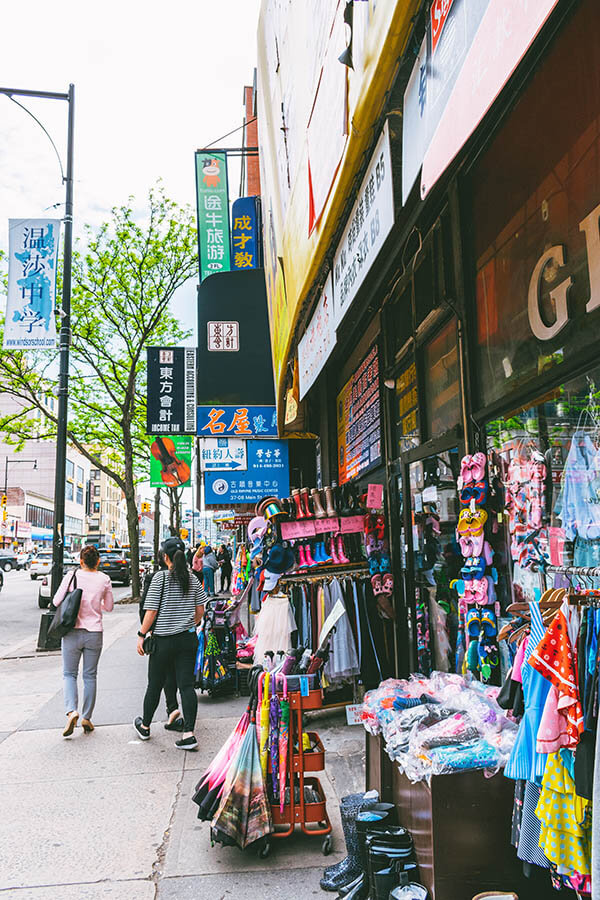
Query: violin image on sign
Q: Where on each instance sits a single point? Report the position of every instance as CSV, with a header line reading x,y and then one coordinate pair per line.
x,y
175,471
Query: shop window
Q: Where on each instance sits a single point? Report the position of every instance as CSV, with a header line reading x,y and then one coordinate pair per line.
x,y
406,402
442,384
547,457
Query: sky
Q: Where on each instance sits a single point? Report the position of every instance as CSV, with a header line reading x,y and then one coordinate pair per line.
x,y
153,80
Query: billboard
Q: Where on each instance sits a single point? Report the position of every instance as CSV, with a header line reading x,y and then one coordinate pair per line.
x,y
212,199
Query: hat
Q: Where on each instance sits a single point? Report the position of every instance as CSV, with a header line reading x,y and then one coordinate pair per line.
x,y
270,507
256,527
171,545
257,547
270,580
280,559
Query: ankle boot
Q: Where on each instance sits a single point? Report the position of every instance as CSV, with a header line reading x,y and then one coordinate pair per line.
x,y
301,557
297,504
329,504
333,551
316,504
305,502
340,550
308,556
348,870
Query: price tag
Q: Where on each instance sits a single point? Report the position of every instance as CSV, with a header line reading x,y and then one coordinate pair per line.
x,y
304,689
353,714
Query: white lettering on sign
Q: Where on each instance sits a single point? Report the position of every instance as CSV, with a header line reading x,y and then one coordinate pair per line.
x,y
559,294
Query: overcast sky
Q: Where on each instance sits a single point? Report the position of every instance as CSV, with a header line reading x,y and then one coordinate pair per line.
x,y
153,81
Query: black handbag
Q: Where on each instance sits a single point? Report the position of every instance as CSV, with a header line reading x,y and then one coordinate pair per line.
x,y
149,643
67,611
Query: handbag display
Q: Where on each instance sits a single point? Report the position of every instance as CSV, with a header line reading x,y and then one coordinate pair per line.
x,y
67,611
149,644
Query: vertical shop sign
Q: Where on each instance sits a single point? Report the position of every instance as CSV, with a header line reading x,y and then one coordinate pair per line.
x,y
244,234
212,195
171,390
32,260
370,222
359,420
318,340
171,461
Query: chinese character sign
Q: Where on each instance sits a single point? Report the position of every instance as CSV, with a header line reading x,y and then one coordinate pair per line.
x,y
237,421
32,261
359,420
213,213
171,390
244,242
223,337
268,474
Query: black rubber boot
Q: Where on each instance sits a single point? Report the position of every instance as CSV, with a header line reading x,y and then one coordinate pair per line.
x,y
347,871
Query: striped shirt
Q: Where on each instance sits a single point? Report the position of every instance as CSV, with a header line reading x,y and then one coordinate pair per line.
x,y
177,610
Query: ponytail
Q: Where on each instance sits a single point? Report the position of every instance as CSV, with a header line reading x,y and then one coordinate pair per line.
x,y
180,571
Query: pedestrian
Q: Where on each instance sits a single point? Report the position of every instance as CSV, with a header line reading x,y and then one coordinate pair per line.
x,y
86,638
174,719
224,559
197,562
174,606
209,564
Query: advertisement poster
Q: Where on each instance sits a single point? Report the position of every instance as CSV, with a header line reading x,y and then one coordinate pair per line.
x,y
359,420
212,194
171,461
32,261
171,390
268,473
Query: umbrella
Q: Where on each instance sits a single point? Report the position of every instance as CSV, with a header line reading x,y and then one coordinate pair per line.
x,y
214,672
274,720
199,654
244,814
264,725
209,788
284,736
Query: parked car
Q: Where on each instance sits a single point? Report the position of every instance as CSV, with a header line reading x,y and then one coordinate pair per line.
x,y
146,552
45,592
116,565
1,580
41,564
8,560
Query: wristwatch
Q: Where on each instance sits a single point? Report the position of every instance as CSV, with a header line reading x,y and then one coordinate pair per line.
x,y
141,634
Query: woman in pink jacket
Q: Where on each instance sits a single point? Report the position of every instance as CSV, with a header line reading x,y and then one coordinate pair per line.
x,y
86,638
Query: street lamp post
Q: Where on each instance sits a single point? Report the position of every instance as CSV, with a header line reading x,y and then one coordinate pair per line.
x,y
58,529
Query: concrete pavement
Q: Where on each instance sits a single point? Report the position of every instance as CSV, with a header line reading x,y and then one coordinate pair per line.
x,y
108,816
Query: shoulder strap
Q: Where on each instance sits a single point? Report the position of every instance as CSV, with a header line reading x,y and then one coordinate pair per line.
x,y
162,591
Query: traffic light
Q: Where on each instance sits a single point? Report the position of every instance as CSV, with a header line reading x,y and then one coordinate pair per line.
x,y
145,507
3,499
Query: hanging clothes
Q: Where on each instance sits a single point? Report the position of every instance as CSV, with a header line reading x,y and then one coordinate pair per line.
x,y
274,626
343,657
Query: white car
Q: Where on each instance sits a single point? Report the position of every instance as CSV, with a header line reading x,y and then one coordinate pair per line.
x,y
70,562
41,564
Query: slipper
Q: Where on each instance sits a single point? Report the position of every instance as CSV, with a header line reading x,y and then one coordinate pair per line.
x,y
387,584
473,623
376,584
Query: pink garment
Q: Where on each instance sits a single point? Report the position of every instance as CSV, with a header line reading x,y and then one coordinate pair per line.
x,y
518,663
552,733
97,597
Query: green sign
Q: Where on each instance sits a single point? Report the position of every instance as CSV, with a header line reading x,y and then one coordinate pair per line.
x,y
171,461
213,213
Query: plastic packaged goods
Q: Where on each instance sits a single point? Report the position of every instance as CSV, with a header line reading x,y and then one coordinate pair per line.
x,y
440,724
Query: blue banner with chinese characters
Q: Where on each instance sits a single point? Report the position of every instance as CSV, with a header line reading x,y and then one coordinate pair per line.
x,y
237,421
268,474
32,263
244,234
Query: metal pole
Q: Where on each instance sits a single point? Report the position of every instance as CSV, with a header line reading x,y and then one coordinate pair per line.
x,y
58,536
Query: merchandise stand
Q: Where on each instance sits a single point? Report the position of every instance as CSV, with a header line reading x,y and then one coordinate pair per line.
x,y
311,817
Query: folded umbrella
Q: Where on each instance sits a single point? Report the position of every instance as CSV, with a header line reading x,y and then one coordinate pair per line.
x,y
274,722
284,736
264,725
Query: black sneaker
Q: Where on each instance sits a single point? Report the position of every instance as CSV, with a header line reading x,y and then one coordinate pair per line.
x,y
140,729
177,725
189,743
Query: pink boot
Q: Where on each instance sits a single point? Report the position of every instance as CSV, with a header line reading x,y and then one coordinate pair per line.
x,y
309,557
340,551
301,558
334,556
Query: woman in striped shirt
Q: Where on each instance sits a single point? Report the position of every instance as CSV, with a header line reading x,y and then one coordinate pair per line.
x,y
174,606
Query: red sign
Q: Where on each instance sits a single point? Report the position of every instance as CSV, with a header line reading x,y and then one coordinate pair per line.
x,y
439,14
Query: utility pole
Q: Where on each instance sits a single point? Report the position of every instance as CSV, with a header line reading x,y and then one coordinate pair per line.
x,y
156,526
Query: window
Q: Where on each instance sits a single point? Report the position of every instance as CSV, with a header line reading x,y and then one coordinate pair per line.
x,y
442,388
69,490
70,469
96,507
96,490
39,517
95,475
80,474
73,525
79,494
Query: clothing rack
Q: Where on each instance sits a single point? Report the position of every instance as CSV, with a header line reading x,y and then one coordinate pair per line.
x,y
589,571
356,571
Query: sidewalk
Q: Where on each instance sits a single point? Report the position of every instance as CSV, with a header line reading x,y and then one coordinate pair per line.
x,y
108,816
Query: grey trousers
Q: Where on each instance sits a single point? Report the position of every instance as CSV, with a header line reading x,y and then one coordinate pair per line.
x,y
76,643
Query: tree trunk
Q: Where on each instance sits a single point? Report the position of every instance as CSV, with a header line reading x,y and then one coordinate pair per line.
x,y
133,525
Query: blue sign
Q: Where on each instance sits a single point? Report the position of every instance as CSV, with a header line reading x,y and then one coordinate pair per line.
x,y
236,421
244,230
268,474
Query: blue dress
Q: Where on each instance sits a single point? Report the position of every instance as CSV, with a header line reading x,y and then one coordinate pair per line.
x,y
524,761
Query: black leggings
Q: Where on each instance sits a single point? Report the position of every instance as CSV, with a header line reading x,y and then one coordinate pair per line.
x,y
178,651
225,577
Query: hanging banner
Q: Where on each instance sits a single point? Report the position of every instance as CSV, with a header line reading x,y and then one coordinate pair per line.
x,y
171,390
244,234
318,340
212,196
359,420
171,461
32,262
268,474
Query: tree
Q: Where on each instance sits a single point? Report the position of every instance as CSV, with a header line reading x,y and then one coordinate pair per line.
x,y
123,282
174,494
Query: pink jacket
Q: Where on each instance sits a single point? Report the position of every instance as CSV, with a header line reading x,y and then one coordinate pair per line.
x,y
97,596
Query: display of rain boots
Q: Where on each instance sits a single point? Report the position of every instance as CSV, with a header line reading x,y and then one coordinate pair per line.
x,y
318,510
301,557
346,871
298,510
391,859
379,816
320,554
340,550
330,503
305,503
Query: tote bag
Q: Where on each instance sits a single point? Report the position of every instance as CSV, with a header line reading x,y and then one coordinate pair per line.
x,y
67,611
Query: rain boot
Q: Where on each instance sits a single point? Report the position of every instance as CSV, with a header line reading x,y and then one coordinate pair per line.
x,y
327,558
305,502
386,812
334,556
318,555
301,557
329,504
317,505
300,514
346,871
308,556
340,550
